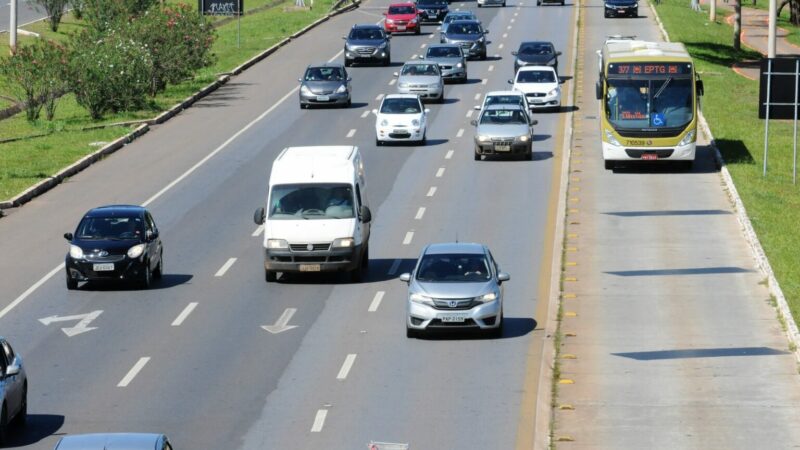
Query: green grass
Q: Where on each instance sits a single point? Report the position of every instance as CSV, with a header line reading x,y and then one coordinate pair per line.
x,y
783,20
26,162
773,203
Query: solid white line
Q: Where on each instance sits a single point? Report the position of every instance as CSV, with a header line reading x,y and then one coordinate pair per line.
x,y
336,56
379,97
184,314
477,96
225,267
500,47
376,302
469,113
420,213
408,238
351,133
346,366
366,113
491,67
449,154
460,132
440,172
431,191
395,266
30,290
392,81
319,421
259,230
134,371
484,81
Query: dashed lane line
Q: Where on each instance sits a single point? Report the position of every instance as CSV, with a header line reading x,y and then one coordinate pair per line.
x,y
431,191
394,267
134,371
184,314
477,96
258,231
392,81
319,421
346,366
420,213
376,301
409,237
491,66
351,133
449,154
225,267
440,172
364,114
379,97
460,132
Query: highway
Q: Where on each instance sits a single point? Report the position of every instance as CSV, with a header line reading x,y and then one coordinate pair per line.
x,y
190,357
26,13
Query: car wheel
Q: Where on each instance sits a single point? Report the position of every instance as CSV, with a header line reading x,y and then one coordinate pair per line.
x,y
388,61
22,416
378,142
635,14
147,278
418,31
356,275
498,332
411,333
607,15
477,156
270,276
347,63
349,103
483,56
609,165
424,138
503,5
72,283
365,258
159,272
479,5
529,156
3,425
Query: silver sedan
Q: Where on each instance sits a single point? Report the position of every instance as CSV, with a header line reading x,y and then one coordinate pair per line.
x,y
13,390
504,130
422,78
455,286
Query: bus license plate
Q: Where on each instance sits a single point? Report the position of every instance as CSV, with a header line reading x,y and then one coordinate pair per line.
x,y
649,156
309,268
103,267
458,317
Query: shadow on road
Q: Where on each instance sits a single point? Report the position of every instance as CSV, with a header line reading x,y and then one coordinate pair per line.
x,y
37,427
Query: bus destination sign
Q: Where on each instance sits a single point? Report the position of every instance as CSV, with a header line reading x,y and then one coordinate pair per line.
x,y
646,69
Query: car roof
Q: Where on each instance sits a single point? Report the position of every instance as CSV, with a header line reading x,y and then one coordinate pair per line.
x,y
115,210
505,106
415,96
367,26
535,68
494,93
326,64
454,247
110,441
402,4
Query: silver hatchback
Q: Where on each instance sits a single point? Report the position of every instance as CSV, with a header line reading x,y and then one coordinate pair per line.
x,y
13,390
114,441
423,78
455,286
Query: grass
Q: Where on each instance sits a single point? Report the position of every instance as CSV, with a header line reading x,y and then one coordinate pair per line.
x,y
26,162
783,19
773,203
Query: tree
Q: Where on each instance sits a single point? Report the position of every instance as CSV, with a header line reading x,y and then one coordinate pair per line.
x,y
37,74
54,10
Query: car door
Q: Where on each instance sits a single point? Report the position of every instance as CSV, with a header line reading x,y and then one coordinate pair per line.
x,y
154,242
13,383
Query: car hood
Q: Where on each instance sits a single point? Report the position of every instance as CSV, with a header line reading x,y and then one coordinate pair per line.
x,y
432,6
446,60
400,16
539,88
536,59
308,231
418,79
318,87
621,2
365,42
453,290
398,119
463,37
495,130
113,247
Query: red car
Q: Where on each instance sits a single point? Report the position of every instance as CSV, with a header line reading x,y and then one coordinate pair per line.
x,y
401,17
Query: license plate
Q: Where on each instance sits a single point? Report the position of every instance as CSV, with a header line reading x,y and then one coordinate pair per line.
x,y
649,156
502,148
103,267
538,101
454,317
401,28
323,98
620,10
309,268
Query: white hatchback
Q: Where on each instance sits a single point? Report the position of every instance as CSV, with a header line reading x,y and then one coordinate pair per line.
x,y
540,86
401,118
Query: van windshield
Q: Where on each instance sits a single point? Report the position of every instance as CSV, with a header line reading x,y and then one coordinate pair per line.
x,y
311,201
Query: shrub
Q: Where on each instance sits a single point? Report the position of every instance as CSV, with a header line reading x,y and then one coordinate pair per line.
x,y
37,75
102,15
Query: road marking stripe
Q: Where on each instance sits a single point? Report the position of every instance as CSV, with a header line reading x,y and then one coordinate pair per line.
x,y
469,113
376,302
484,81
336,56
431,191
512,20
423,45
477,96
366,113
508,27
420,213
184,314
491,67
449,154
500,47
440,172
392,81
460,132
134,371
346,366
516,14
319,421
258,231
395,266
351,133
505,35
30,290
379,97
430,36
408,238
414,56
225,267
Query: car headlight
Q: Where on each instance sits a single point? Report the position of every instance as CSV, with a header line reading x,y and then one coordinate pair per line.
x,y
384,123
490,297
433,86
608,5
419,298
414,20
305,90
136,251
415,122
277,244
688,139
342,89
389,21
610,138
382,45
482,138
402,85
75,252
459,65
524,138
553,92
343,243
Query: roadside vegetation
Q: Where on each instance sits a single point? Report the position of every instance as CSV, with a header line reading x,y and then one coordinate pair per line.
x,y
731,108
35,148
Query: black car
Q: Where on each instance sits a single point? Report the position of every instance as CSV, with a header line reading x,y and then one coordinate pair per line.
x,y
432,10
115,243
367,43
615,8
536,53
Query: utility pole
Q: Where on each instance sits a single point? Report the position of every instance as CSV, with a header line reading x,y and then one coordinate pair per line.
x,y
12,29
712,14
773,13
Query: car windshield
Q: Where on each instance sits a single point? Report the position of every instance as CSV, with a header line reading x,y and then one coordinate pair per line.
x,y
401,10
464,28
425,3
401,106
535,49
324,74
110,228
366,34
504,100
444,52
454,17
649,103
311,201
420,69
536,76
456,267
503,117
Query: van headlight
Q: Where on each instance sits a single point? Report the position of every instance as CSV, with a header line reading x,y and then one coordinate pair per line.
x,y
136,251
277,244
482,138
343,243
342,89
688,139
610,138
75,252
419,298
523,138
490,297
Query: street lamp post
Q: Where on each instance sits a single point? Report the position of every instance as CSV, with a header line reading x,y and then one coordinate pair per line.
x,y
773,13
12,29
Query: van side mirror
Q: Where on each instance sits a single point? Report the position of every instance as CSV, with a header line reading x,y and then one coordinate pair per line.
x,y
405,277
258,216
502,276
68,236
510,81
534,122
598,90
699,87
366,214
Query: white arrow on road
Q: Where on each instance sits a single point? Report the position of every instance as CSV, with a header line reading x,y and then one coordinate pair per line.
x,y
283,322
81,327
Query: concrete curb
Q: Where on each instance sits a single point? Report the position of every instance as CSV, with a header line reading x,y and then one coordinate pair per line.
x,y
45,185
762,262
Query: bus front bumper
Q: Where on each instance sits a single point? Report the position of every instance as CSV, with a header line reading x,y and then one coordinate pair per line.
x,y
677,153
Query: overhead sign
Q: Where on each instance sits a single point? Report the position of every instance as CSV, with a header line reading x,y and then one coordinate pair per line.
x,y
780,79
221,7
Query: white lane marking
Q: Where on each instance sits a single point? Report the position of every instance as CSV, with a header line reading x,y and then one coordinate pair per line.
x,y
449,154
500,47
505,35
225,267
134,371
431,191
30,290
484,81
508,27
414,56
460,132
423,45
392,81
497,55
258,231
469,113
379,97
477,96
346,366
364,114
516,14
430,36
512,20
420,213
395,266
491,66
408,238
336,56
440,172
351,133
81,327
376,301
319,421
282,324
184,314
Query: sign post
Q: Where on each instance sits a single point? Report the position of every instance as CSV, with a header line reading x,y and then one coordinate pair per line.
x,y
779,98
224,8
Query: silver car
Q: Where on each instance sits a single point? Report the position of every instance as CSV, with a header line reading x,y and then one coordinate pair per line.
x,y
451,60
455,286
503,130
469,34
13,390
114,441
325,84
422,78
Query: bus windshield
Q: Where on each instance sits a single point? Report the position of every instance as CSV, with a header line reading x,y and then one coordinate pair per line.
x,y
649,103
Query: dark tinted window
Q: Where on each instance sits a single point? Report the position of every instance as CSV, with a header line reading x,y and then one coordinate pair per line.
x,y
114,228
464,28
401,10
457,267
324,74
504,100
401,106
536,76
444,52
536,49
366,34
311,201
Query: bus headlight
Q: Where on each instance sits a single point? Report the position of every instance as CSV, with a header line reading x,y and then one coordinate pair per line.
x,y
611,139
688,139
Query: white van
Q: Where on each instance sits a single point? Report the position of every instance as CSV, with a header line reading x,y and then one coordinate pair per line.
x,y
317,216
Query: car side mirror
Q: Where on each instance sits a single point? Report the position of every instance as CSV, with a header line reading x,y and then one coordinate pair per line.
x,y
383,13
699,87
510,81
427,110
375,111
558,53
258,216
485,31
502,276
477,107
388,36
514,53
68,236
300,80
344,37
598,90
473,122
349,79
395,74
149,235
12,369
534,122
405,277
366,214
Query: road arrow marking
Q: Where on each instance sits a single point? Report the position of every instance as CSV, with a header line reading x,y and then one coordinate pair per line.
x,y
283,322
81,327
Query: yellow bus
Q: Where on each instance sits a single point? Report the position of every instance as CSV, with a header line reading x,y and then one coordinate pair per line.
x,y
649,96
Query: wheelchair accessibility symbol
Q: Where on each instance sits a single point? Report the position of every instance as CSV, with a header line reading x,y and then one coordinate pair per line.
x,y
657,120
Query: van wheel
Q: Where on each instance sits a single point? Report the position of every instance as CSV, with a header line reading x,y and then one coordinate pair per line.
x,y
270,276
365,258
72,283
356,275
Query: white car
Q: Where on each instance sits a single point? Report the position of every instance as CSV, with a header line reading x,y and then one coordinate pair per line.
x,y
401,118
505,98
540,86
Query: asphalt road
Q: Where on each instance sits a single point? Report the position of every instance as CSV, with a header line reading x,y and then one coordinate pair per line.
x,y
26,13
208,375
